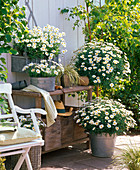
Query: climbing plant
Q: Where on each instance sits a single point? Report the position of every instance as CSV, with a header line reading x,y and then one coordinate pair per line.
x,y
121,25
12,19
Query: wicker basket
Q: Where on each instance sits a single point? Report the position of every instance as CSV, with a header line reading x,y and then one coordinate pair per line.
x,y
35,157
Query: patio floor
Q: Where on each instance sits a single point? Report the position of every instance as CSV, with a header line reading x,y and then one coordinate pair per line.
x,y
80,158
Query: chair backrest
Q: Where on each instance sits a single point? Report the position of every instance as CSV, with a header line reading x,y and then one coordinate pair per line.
x,y
7,89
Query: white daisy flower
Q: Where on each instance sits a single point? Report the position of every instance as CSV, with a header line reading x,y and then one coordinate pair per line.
x,y
101,126
93,76
117,128
111,85
108,125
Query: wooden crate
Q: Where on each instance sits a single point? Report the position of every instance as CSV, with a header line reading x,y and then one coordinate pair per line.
x,y
62,133
52,136
66,129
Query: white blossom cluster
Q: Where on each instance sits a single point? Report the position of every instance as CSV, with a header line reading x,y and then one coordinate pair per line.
x,y
43,69
104,116
26,121
48,41
102,62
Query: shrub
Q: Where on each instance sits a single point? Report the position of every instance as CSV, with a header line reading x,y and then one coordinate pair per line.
x,y
103,63
104,116
121,25
128,94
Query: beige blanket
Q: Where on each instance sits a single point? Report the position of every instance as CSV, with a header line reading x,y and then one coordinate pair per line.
x,y
49,104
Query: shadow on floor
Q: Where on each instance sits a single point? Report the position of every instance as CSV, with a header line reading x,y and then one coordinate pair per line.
x,y
74,158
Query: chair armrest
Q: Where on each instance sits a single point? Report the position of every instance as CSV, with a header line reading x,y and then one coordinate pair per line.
x,y
27,111
32,113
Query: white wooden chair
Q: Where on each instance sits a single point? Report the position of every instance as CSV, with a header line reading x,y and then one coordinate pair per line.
x,y
20,148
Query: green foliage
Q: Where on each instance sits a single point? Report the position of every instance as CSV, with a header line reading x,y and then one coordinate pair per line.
x,y
86,16
116,22
12,19
129,95
120,24
3,104
129,158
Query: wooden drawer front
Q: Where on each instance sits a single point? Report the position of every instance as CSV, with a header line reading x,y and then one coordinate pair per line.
x,y
66,129
52,136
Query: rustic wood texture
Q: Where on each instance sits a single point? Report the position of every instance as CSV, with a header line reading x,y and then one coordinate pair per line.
x,y
56,92
66,129
34,94
78,132
63,133
52,136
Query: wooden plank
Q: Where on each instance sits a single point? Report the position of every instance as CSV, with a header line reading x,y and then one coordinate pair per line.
x,y
52,136
66,129
34,94
89,97
76,89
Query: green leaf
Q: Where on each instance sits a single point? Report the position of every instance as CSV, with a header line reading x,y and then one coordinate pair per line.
x,y
13,52
4,11
3,50
8,37
65,10
3,60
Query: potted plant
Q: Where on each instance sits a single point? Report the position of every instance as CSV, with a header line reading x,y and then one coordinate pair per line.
x,y
43,74
38,43
69,77
103,119
103,63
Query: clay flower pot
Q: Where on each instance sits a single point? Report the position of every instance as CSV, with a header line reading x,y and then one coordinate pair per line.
x,y
84,81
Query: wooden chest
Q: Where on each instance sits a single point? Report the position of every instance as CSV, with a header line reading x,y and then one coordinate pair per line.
x,y
62,133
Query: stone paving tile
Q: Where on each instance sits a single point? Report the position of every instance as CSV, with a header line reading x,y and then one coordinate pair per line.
x,y
79,158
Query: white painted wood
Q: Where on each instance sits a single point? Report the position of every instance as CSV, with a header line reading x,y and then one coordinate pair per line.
x,y
28,162
46,12
22,158
10,153
24,147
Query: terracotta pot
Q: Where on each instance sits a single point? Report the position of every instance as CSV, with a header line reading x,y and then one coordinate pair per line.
x,y
84,81
65,82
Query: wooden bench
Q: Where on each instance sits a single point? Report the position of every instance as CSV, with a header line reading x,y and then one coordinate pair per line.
x,y
64,131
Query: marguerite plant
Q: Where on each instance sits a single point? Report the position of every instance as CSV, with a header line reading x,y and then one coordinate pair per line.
x,y
26,122
102,62
46,43
104,116
43,69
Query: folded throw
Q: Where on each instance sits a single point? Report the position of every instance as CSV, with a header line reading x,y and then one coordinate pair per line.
x,y
49,104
